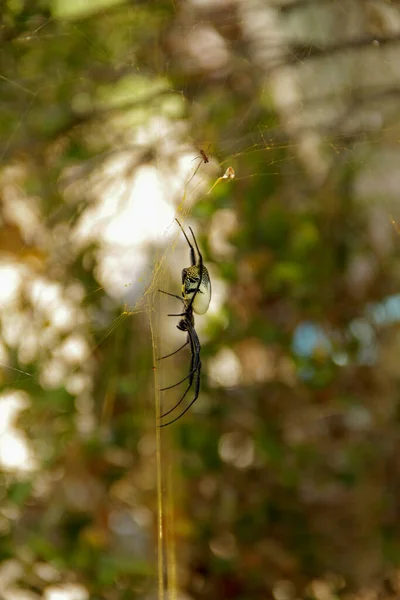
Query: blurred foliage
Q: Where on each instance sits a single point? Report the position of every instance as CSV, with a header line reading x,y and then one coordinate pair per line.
x,y
286,477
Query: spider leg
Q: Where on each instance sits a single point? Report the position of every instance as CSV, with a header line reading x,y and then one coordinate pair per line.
x,y
197,247
192,254
173,295
172,353
187,389
196,395
191,373
195,350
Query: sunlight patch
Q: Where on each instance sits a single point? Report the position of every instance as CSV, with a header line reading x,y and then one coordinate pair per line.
x,y
15,454
10,281
68,591
225,369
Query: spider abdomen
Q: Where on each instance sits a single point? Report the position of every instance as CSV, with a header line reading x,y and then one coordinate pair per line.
x,y
190,283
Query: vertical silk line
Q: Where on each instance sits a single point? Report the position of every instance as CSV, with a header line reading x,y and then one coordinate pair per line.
x,y
166,551
157,412
170,529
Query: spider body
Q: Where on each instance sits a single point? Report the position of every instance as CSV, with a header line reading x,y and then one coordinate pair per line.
x,y
196,296
204,156
200,295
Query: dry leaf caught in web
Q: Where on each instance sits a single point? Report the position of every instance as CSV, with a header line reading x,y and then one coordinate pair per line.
x,y
229,174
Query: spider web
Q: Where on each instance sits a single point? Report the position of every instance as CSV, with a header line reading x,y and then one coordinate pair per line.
x,y
108,195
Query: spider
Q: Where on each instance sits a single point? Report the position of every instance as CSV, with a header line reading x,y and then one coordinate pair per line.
x,y
196,296
204,156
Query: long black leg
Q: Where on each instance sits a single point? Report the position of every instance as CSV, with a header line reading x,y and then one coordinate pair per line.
x,y
190,383
197,248
196,395
191,373
175,352
172,295
189,306
195,351
192,254
179,298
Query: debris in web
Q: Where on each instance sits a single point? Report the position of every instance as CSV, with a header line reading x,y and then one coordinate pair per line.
x,y
229,174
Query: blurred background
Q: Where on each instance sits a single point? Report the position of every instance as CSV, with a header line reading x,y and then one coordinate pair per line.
x,y
283,480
